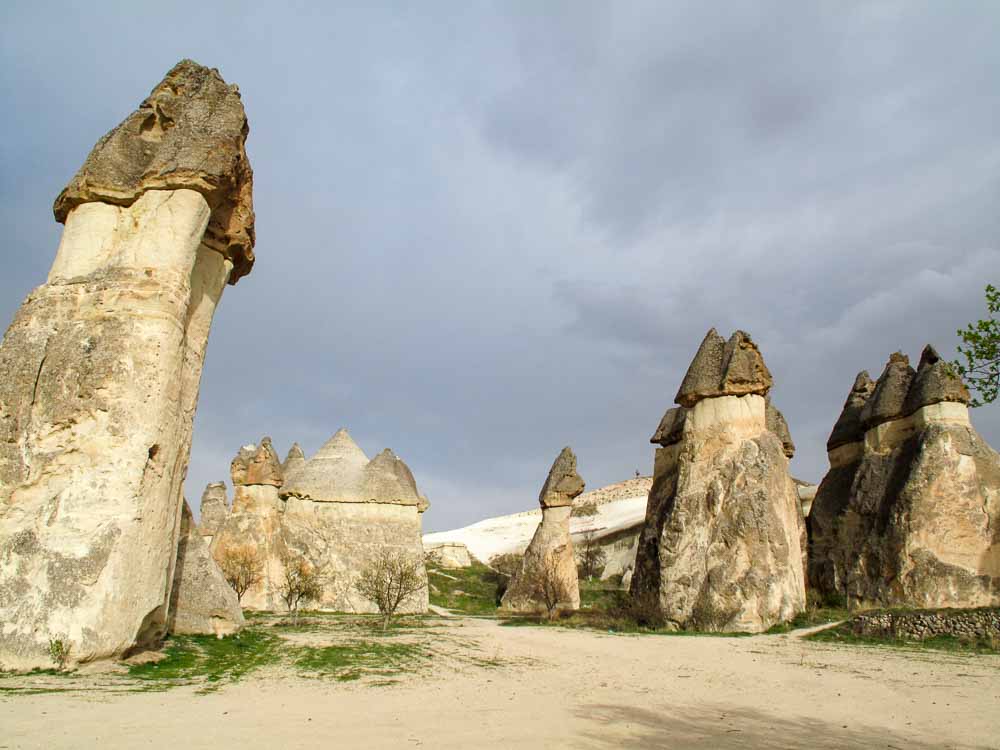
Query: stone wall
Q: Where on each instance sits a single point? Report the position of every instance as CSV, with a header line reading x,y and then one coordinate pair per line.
x,y
967,623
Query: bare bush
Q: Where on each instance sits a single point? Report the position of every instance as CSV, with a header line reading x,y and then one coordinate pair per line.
x,y
301,584
241,566
548,586
389,580
590,558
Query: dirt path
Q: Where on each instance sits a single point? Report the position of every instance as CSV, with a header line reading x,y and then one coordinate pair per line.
x,y
556,688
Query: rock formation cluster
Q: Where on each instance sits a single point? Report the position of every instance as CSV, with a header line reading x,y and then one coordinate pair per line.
x,y
338,511
721,548
909,511
101,370
549,563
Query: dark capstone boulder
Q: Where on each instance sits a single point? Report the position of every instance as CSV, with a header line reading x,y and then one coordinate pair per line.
x,y
936,381
849,428
889,397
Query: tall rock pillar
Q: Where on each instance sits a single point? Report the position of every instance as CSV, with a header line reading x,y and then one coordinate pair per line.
x,y
721,548
100,370
548,569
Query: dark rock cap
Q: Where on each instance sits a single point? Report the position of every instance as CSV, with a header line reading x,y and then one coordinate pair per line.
x,y
887,401
936,381
671,429
849,428
775,422
724,368
190,132
563,483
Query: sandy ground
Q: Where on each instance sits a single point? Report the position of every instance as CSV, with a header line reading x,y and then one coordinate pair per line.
x,y
558,688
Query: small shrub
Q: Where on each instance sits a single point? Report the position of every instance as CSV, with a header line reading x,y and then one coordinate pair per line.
x,y
59,652
390,580
242,567
301,584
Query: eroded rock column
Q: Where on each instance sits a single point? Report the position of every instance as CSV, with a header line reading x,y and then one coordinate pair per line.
x,y
721,546
101,369
549,565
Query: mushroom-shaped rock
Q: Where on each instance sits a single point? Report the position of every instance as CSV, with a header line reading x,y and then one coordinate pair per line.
x,y
724,368
189,133
214,508
255,465
548,568
563,484
936,382
335,474
101,371
294,461
671,427
849,427
721,543
889,397
907,518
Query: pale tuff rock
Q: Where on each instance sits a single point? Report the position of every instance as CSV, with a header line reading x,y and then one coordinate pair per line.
x,y
550,553
342,511
256,465
906,515
201,603
294,461
335,474
721,548
101,374
724,368
423,504
214,509
449,554
189,133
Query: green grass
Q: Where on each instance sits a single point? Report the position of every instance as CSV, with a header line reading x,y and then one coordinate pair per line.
x,y
352,661
471,591
199,657
598,594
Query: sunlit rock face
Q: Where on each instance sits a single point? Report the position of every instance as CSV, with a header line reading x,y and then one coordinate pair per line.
x,y
721,548
908,513
101,369
550,553
214,510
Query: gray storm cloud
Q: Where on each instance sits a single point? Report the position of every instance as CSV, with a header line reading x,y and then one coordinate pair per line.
x,y
486,231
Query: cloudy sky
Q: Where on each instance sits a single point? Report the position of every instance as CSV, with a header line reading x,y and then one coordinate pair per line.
x,y
488,230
